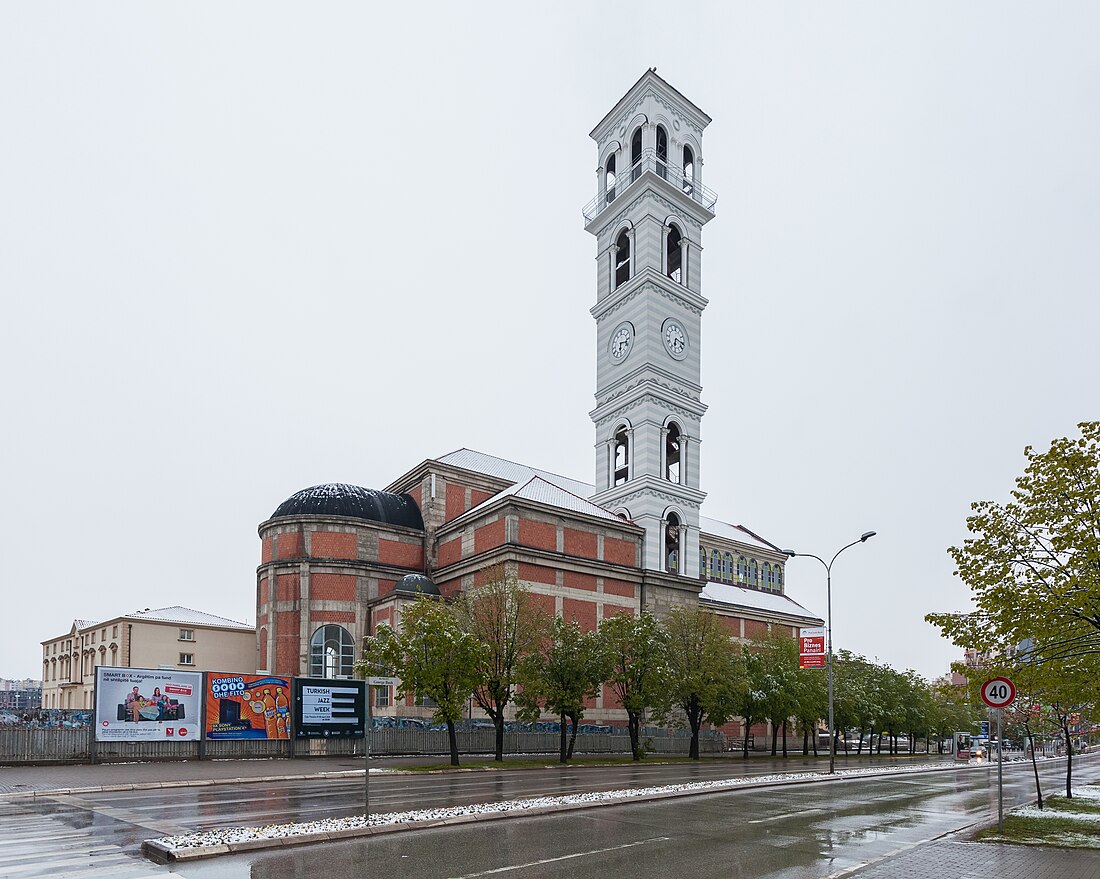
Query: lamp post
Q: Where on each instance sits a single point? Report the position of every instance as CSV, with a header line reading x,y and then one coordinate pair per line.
x,y
867,535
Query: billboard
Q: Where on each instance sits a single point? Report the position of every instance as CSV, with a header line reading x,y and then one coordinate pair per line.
x,y
811,648
329,709
240,706
146,704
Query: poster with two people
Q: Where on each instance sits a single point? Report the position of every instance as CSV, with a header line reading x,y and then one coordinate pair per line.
x,y
240,706
145,704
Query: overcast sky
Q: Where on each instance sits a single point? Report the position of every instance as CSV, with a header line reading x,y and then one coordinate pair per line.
x,y
249,248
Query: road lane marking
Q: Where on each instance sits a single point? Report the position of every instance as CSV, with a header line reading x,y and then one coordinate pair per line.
x,y
797,814
598,851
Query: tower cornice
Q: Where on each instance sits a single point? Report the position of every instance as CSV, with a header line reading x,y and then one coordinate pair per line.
x,y
649,280
648,85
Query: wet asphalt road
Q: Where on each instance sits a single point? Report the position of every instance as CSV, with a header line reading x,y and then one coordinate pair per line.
x,y
804,830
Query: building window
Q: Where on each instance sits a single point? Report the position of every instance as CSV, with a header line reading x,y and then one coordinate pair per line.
x,y
702,562
93,637
187,634
622,457
673,444
727,568
331,653
636,154
114,631
673,254
778,578
672,544
381,697
689,170
662,152
716,565
622,258
754,573
769,583
609,178
187,659
424,702
742,570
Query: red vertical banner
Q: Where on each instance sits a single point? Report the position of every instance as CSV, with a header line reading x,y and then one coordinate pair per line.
x,y
811,648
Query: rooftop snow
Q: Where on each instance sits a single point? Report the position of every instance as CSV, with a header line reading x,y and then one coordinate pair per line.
x,y
539,490
772,602
177,614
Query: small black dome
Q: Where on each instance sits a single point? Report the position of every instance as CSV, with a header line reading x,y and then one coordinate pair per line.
x,y
416,584
340,499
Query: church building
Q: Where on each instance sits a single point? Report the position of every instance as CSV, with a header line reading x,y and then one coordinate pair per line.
x,y
337,559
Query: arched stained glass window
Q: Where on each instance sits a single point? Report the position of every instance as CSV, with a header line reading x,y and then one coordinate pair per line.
x,y
715,565
754,573
703,562
742,570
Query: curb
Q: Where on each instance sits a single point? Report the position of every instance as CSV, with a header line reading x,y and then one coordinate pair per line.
x,y
160,853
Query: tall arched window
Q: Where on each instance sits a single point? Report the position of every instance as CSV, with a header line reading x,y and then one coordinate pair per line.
x,y
727,568
754,573
769,583
609,178
622,456
778,578
622,258
636,154
716,565
689,170
742,570
673,254
672,452
331,653
703,562
672,544
662,152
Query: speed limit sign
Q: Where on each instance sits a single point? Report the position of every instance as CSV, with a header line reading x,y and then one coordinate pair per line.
x,y
998,692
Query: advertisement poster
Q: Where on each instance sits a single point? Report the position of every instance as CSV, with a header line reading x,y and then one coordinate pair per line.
x,y
247,706
811,648
146,704
329,709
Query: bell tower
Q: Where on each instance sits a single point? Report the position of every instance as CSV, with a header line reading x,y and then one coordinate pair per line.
x,y
648,216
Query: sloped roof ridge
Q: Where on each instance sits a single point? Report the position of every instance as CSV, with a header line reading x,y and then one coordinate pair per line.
x,y
179,613
536,470
583,500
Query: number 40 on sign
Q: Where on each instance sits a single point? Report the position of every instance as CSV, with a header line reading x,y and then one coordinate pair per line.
x,y
998,692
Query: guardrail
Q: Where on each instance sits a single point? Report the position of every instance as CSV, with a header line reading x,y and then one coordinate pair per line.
x,y
686,183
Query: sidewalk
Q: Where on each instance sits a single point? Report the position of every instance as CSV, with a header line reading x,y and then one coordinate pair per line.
x,y
957,859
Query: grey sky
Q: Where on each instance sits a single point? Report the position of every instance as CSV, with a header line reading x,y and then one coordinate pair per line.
x,y
245,249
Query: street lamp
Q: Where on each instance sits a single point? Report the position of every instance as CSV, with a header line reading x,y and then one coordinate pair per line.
x,y
867,535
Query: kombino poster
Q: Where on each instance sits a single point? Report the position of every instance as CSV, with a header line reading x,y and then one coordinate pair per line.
x,y
242,706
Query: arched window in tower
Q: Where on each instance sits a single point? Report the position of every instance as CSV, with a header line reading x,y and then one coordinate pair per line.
x,y
331,653
673,442
742,570
754,573
703,562
673,255
689,170
662,152
636,155
622,258
716,565
672,544
609,178
622,456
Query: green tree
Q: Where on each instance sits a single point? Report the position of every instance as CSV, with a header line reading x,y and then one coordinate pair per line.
x,y
811,703
1033,564
636,651
701,673
750,695
567,669
503,616
778,653
433,656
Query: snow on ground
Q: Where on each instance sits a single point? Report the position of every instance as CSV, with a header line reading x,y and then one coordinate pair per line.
x,y
229,835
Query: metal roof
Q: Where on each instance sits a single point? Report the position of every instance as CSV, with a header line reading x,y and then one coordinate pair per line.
x,y
178,614
770,602
539,490
502,468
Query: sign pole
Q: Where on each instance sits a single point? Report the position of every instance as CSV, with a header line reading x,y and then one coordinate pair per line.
x,y
366,768
1000,775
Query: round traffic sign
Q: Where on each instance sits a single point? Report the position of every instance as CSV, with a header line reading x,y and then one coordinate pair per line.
x,y
998,692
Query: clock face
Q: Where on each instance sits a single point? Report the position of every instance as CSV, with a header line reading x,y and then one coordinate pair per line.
x,y
621,340
675,339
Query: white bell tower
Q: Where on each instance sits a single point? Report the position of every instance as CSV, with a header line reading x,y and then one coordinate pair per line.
x,y
648,216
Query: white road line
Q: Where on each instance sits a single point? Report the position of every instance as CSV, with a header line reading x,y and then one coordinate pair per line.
x,y
797,814
598,851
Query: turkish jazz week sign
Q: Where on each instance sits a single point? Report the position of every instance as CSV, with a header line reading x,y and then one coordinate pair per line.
x,y
329,709
240,706
146,704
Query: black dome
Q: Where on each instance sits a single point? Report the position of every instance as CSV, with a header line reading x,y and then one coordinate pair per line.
x,y
356,502
416,584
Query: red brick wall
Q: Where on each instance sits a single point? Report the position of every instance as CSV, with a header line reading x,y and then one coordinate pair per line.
x,y
542,535
332,587
417,495
582,543
477,496
755,629
449,552
619,551
610,698
614,610
286,587
543,602
332,545
385,587
582,612
404,555
573,580
263,591
267,550
537,574
450,587
287,643
456,501
332,616
290,545
730,625
488,536
618,587
381,615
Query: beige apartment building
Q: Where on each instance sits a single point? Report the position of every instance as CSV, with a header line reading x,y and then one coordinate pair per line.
x,y
167,637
